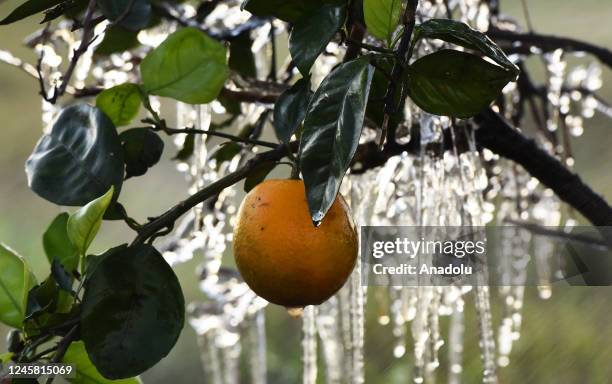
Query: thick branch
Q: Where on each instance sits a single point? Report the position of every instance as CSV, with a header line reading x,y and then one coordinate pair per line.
x,y
547,43
497,135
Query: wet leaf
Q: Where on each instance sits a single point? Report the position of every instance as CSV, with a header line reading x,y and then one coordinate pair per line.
x,y
461,34
78,160
290,109
454,83
312,33
131,293
142,149
331,134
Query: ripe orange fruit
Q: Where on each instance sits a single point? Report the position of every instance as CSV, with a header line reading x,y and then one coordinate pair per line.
x,y
282,256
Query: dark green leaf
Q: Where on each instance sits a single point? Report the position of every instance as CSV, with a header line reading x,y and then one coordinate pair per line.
x,y
60,10
117,39
376,103
133,311
78,160
331,132
312,33
461,34
187,151
86,372
188,66
454,83
258,175
226,152
57,244
48,307
290,109
382,17
29,8
241,57
116,211
130,14
84,224
121,103
61,276
15,282
142,149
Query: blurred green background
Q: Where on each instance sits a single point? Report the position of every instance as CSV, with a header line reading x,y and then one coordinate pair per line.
x,y
566,339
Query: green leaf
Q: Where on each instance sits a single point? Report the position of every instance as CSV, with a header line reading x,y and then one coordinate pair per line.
x,y
84,224
258,175
142,149
86,372
79,159
382,17
133,310
117,39
188,66
121,103
187,151
454,83
290,109
57,244
15,282
287,10
461,34
62,277
331,134
130,14
241,58
29,8
312,33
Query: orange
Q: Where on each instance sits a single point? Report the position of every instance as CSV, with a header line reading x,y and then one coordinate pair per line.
x,y
282,256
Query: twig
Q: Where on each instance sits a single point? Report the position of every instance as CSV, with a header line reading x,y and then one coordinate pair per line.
x,y
369,47
402,55
546,43
541,230
234,138
86,40
62,347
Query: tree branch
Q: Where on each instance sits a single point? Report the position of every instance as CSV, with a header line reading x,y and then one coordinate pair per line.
x,y
234,138
402,55
497,135
546,43
167,220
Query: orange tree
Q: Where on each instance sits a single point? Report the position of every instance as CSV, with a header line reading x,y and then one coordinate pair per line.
x,y
97,309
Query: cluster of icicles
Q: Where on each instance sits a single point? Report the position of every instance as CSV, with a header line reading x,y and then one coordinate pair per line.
x,y
453,189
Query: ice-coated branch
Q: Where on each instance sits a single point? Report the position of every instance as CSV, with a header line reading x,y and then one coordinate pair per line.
x,y
515,42
500,137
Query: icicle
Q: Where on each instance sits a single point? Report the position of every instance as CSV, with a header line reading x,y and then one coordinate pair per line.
x,y
331,340
455,344
309,346
357,324
257,336
487,340
209,353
